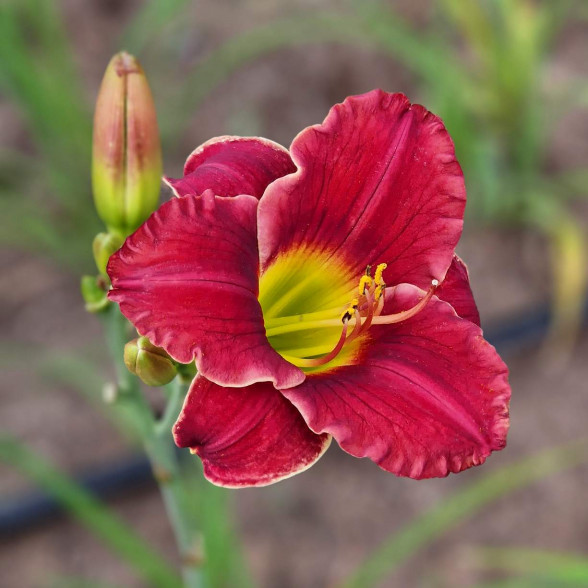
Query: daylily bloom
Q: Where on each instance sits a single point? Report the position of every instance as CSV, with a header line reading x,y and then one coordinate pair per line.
x,y
318,292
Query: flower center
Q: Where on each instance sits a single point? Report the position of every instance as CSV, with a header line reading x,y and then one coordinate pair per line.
x,y
309,317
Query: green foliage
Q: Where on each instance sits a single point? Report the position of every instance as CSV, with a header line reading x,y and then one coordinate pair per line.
x,y
224,565
535,567
46,198
460,506
91,513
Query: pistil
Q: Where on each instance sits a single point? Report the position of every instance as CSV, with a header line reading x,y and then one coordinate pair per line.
x,y
390,319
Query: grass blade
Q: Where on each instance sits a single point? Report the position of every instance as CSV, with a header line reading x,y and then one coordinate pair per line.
x,y
90,512
561,568
225,564
461,506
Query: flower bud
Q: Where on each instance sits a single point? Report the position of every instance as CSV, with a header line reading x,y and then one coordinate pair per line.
x,y
126,156
104,245
150,363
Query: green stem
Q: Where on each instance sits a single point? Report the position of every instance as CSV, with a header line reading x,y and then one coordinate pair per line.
x,y
166,469
158,446
128,399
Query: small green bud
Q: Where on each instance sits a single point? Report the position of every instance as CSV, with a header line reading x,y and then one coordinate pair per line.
x,y
126,153
94,293
150,363
104,245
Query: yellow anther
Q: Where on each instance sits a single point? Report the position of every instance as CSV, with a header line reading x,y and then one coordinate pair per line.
x,y
350,310
379,291
379,271
365,283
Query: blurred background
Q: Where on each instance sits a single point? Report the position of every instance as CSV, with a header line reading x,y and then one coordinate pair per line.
x,y
510,80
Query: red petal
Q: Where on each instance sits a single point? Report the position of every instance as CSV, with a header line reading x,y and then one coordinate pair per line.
x,y
456,290
187,279
233,165
377,182
429,397
246,436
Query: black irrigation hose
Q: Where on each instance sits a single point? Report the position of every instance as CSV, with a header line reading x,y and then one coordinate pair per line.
x,y
524,331
20,513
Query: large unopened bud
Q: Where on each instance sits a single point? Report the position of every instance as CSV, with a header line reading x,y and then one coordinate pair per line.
x,y
150,363
126,157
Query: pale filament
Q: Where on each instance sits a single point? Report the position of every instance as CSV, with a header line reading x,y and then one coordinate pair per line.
x,y
380,305
370,310
390,319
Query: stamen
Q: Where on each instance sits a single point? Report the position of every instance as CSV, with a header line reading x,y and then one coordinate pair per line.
x,y
365,283
357,329
390,319
370,311
348,312
379,271
380,305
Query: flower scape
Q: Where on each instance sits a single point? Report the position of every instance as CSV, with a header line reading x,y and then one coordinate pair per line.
x,y
318,292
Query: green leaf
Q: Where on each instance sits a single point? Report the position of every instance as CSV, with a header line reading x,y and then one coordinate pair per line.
x,y
561,568
531,582
569,250
462,505
573,183
224,563
90,512
40,78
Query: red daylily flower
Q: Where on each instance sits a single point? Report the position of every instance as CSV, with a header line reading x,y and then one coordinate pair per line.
x,y
257,271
